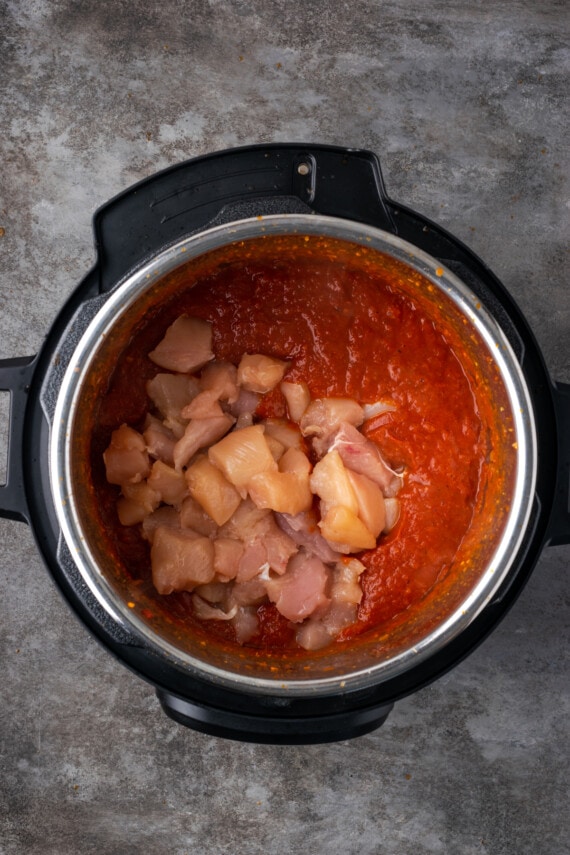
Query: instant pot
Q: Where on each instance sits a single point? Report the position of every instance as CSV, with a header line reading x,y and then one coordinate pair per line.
x,y
143,237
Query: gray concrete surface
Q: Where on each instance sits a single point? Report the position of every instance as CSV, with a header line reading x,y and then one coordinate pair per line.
x,y
467,106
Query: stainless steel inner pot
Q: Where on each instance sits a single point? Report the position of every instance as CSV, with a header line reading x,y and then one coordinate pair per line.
x,y
372,660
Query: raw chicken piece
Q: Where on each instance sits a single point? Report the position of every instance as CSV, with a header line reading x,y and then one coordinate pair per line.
x,y
136,503
323,417
345,593
298,398
392,507
258,373
312,635
126,458
296,461
301,589
245,623
284,432
193,516
244,407
363,456
215,593
227,556
279,547
164,516
242,454
186,346
346,581
284,492
211,489
170,393
319,631
370,500
251,593
276,448
345,530
330,481
205,611
221,378
168,483
204,406
253,561
180,560
160,441
198,434
248,523
304,531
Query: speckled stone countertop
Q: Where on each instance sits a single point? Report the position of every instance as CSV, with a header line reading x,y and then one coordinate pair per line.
x,y
466,104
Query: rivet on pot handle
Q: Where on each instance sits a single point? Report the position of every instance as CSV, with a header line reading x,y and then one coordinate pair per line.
x,y
15,378
559,525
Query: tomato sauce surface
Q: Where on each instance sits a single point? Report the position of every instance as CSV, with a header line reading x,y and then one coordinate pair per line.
x,y
348,332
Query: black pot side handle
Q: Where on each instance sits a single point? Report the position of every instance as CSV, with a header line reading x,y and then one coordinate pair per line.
x,y
559,524
187,197
15,378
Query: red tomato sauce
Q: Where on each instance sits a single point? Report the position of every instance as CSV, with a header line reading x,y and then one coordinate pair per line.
x,y
349,331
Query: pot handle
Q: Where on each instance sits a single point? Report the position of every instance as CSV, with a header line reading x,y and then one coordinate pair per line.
x,y
559,524
187,197
15,378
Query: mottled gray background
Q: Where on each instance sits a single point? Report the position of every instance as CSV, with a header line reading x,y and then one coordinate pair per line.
x,y
466,103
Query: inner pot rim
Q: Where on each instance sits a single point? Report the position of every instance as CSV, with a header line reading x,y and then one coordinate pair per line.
x,y
122,298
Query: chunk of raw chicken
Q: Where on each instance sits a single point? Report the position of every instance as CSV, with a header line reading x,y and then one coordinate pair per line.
x,y
363,456
287,433
295,461
212,490
345,530
270,550
136,503
370,501
205,405
304,531
186,346
245,623
164,516
252,562
284,492
180,560
392,507
244,408
331,482
170,393
250,593
258,373
203,610
227,556
345,586
241,455
318,632
287,490
168,482
301,589
126,458
279,547
194,517
159,439
221,378
345,594
200,433
323,417
298,398
247,523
